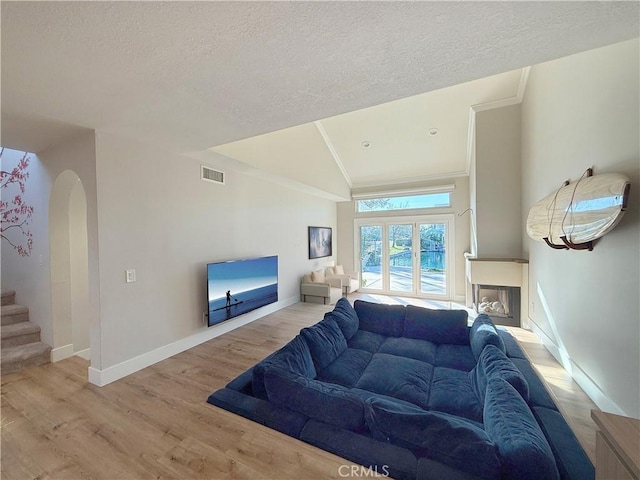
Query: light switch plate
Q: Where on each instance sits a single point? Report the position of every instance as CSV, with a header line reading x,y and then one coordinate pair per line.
x,y
130,276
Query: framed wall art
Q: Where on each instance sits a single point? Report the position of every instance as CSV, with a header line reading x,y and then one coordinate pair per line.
x,y
320,242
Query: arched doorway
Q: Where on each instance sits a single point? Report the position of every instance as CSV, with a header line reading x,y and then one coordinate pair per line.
x,y
69,267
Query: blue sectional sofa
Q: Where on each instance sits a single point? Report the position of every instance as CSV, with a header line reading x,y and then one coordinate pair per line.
x,y
414,393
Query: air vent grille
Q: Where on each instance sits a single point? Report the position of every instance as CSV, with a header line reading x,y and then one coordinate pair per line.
x,y
210,175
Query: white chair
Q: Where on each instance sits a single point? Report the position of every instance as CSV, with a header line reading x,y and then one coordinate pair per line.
x,y
349,282
315,288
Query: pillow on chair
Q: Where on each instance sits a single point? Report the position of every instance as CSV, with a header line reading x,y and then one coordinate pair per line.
x,y
338,270
317,276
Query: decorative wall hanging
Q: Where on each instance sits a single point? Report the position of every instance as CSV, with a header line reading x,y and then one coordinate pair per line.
x,y
578,213
15,213
320,242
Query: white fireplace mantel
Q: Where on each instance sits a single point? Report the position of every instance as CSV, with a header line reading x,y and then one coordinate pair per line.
x,y
506,272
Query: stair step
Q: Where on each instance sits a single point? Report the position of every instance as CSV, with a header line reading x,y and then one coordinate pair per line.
x,y
11,314
8,297
15,359
19,334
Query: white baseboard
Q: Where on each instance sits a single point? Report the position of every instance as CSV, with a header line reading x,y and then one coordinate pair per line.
x,y
61,353
86,354
585,382
111,374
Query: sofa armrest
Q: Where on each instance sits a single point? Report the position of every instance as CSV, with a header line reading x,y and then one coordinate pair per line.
x,y
345,280
336,281
316,289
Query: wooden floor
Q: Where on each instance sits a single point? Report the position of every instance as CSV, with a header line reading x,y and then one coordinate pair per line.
x,y
156,423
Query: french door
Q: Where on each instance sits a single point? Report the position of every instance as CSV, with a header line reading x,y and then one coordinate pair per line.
x,y
406,255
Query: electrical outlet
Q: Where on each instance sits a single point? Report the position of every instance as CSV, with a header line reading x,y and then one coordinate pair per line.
x,y
130,276
204,318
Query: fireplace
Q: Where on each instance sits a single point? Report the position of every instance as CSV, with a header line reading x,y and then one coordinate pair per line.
x,y
500,303
499,288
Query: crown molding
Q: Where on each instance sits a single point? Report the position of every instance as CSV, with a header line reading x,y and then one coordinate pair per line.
x,y
409,180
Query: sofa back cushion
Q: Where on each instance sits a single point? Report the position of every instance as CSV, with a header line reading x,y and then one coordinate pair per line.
x,y
326,342
387,320
346,318
524,451
444,438
438,326
294,357
494,363
326,402
483,332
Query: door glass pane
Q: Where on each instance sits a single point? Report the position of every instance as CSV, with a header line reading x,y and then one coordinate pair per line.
x,y
401,258
371,257
433,265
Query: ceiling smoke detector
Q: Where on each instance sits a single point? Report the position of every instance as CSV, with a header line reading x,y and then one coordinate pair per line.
x,y
433,132
366,144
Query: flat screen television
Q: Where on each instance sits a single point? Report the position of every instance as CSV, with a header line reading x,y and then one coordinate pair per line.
x,y
239,286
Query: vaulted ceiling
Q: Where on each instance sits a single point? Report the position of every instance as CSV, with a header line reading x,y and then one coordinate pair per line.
x,y
320,78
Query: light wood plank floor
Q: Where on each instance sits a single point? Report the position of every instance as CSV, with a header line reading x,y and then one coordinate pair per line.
x,y
156,423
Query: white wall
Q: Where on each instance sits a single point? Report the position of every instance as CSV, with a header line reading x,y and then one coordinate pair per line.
x,y
79,156
578,112
29,276
497,183
460,202
156,216
79,269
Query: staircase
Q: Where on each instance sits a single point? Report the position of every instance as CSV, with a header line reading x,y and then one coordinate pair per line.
x,y
21,345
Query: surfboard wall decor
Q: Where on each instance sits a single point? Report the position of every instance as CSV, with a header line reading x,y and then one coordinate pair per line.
x,y
578,213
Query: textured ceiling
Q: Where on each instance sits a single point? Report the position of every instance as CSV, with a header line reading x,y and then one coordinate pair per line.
x,y
195,75
399,148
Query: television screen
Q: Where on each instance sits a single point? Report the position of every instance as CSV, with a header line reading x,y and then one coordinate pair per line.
x,y
239,286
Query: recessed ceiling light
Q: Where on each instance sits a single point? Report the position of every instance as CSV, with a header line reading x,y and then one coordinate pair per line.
x,y
366,144
433,131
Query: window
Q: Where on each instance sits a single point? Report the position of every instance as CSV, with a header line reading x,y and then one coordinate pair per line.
x,y
407,202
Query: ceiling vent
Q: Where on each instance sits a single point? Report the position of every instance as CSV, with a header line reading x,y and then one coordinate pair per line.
x,y
210,175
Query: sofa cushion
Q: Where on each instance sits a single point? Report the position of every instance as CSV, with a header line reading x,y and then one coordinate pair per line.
x,y
381,459
538,394
422,350
326,342
523,448
346,318
402,378
493,362
483,332
379,318
452,392
326,402
513,349
294,357
438,326
459,357
347,369
444,438
368,341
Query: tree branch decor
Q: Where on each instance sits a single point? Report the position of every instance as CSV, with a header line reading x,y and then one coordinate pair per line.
x,y
15,215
